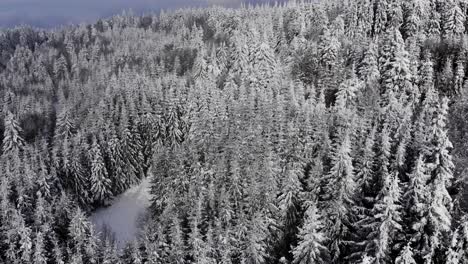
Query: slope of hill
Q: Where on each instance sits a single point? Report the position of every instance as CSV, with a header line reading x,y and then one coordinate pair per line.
x,y
331,132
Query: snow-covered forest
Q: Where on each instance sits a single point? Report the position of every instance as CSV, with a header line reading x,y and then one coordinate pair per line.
x,y
301,133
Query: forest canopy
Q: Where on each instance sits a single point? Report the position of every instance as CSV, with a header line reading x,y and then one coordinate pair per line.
x,y
302,133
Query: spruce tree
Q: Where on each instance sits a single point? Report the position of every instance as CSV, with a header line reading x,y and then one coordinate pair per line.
x,y
441,178
340,190
416,204
453,19
384,221
387,225
39,255
100,182
406,256
311,248
12,140
64,127
458,252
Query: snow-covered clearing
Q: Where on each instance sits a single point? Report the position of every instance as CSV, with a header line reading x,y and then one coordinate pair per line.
x,y
121,218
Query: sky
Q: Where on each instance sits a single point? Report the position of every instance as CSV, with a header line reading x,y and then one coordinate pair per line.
x,y
53,13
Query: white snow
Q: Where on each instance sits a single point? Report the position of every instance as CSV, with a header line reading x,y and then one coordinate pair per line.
x,y
121,218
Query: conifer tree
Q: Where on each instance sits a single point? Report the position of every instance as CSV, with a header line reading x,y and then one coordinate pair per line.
x,y
340,190
253,246
368,69
131,154
56,251
383,224
441,172
196,237
406,256
416,204
78,183
79,227
387,225
136,256
264,64
367,260
380,20
311,248
100,182
176,234
453,19
12,140
457,252
39,255
64,127
118,173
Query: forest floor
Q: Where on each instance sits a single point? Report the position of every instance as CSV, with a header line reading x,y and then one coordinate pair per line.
x,y
120,220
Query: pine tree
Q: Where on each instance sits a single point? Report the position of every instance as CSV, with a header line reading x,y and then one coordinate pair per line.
x,y
197,242
412,21
56,252
78,227
368,69
136,255
130,154
345,96
441,170
446,78
311,248
76,258
365,164
60,67
406,256
44,182
39,255
264,64
253,240
416,204
340,190
433,27
387,213
383,223
328,50
91,247
380,21
109,255
119,172
459,74
453,19
367,260
12,140
78,182
395,74
239,58
18,240
289,205
364,199
289,198
100,183
176,234
64,125
41,213
457,252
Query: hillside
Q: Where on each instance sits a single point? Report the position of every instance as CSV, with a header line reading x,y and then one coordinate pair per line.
x,y
332,132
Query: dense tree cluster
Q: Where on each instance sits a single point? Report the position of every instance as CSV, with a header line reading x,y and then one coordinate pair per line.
x,y
302,133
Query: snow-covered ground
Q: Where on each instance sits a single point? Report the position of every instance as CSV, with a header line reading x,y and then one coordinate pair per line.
x,y
122,216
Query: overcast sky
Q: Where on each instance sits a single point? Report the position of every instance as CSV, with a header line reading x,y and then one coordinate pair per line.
x,y
51,13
